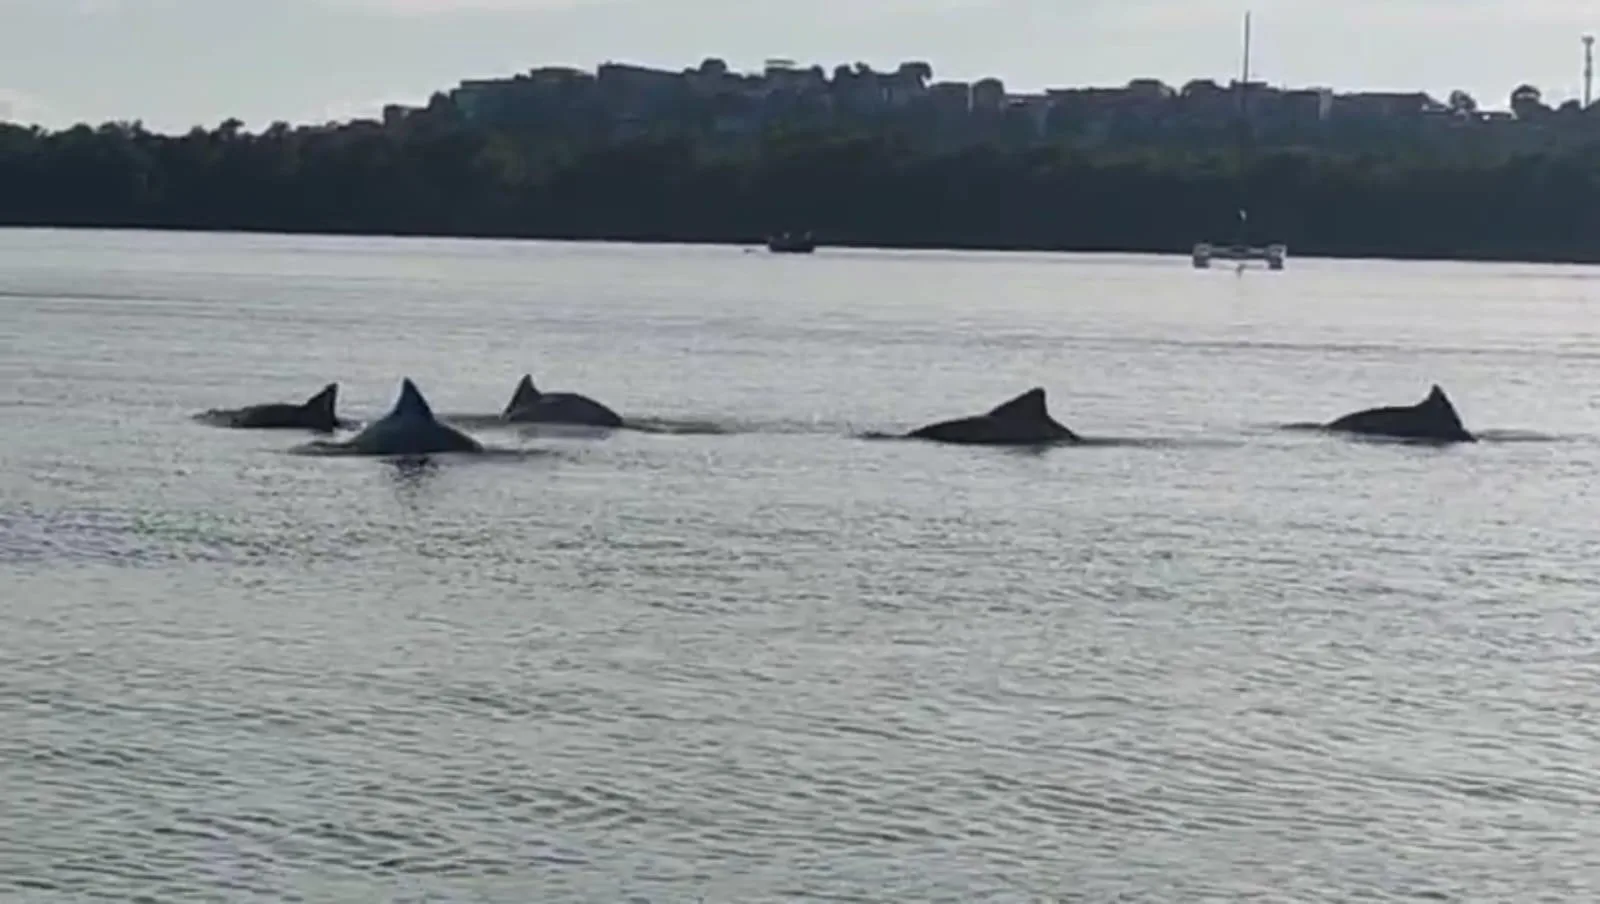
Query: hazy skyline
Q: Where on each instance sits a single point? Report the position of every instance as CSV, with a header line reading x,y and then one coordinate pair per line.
x,y
179,63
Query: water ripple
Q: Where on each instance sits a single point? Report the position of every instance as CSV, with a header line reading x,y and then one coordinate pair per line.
x,y
739,656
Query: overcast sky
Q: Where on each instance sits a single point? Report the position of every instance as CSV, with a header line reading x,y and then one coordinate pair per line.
x,y
177,63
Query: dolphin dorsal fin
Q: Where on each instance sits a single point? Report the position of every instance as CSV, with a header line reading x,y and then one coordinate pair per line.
x,y
411,404
1030,406
1437,399
526,394
324,402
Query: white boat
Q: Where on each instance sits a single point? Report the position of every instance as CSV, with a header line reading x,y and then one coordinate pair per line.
x,y
1272,255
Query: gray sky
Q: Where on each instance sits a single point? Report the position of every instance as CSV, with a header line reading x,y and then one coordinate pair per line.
x,y
177,63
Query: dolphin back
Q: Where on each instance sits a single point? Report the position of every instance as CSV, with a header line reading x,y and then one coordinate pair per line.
x,y
1022,420
566,408
316,413
1372,419
964,429
1434,418
262,417
530,406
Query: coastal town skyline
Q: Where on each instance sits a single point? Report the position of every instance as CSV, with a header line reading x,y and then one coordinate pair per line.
x,y
178,63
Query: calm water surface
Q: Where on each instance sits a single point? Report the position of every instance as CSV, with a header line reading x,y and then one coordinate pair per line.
x,y
762,659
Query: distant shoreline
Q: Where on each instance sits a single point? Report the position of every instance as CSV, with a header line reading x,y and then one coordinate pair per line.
x,y
824,244
432,175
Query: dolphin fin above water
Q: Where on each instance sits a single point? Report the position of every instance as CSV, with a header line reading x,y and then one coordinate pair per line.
x,y
411,404
1029,407
524,395
321,406
1433,419
1024,420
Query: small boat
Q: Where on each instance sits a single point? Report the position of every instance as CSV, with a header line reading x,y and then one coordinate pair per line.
x,y
791,243
1274,254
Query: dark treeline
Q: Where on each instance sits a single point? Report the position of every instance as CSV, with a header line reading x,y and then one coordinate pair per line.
x,y
434,175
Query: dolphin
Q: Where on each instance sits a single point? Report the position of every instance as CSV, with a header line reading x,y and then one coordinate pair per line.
x,y
530,406
1433,419
408,429
1023,421
315,413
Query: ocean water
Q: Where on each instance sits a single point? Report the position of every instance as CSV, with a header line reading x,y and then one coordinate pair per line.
x,y
749,656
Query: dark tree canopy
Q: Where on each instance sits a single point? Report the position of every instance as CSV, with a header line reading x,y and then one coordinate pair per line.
x,y
433,174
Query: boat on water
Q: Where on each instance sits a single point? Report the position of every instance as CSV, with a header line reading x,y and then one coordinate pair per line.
x,y
791,243
1272,255
1241,252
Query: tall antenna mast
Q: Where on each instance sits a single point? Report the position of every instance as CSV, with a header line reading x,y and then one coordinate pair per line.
x,y
1244,72
1244,69
1588,69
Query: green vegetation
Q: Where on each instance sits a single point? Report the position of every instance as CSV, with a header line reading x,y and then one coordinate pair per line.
x,y
432,173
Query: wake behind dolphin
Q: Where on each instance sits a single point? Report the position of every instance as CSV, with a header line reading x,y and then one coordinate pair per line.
x,y
1022,421
1434,419
316,413
409,428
